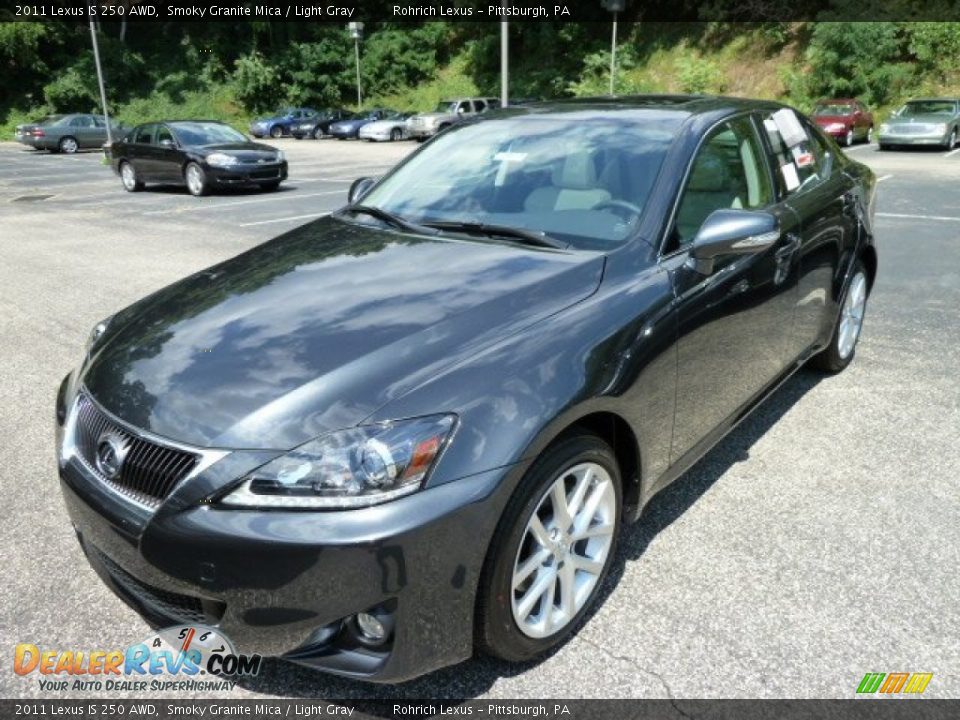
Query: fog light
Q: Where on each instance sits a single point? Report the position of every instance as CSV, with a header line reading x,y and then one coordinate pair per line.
x,y
371,628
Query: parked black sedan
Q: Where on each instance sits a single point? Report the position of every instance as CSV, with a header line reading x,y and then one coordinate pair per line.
x,y
415,428
318,125
201,154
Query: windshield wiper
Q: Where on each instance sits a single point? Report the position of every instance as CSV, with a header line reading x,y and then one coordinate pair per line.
x,y
529,237
391,219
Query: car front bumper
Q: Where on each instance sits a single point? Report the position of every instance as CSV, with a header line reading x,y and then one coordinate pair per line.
x,y
422,132
925,139
247,174
39,143
288,583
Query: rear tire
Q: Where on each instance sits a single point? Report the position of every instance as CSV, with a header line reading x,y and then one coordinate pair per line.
x,y
848,138
395,134
196,180
561,556
843,343
129,179
276,131
317,133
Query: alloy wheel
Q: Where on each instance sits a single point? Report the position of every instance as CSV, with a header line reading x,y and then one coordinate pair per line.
x,y
563,550
395,134
68,145
849,139
851,316
276,131
869,135
127,176
194,180
317,133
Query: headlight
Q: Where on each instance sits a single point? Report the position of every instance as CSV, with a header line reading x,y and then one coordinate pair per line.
x,y
221,160
884,128
98,330
940,128
280,156
350,468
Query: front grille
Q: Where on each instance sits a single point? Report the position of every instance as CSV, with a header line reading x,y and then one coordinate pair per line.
x,y
182,608
150,471
913,129
265,174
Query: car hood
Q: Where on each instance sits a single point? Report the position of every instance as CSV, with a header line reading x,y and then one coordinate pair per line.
x,y
249,151
315,330
935,118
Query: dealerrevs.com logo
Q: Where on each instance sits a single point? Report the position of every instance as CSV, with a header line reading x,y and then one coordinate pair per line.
x,y
175,658
894,683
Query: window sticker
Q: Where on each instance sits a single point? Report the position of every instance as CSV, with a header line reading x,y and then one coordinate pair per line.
x,y
505,158
789,126
790,177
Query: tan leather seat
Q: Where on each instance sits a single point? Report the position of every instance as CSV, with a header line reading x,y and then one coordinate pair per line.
x,y
574,187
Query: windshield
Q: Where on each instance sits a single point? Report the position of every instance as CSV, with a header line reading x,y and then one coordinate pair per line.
x,y
447,107
585,182
835,109
928,107
206,133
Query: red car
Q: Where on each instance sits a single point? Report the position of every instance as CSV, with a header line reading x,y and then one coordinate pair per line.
x,y
846,119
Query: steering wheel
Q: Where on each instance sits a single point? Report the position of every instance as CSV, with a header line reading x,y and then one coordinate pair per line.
x,y
634,210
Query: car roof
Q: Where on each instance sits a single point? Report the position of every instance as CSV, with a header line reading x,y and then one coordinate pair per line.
x,y
677,105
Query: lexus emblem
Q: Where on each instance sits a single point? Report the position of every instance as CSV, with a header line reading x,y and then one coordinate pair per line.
x,y
111,452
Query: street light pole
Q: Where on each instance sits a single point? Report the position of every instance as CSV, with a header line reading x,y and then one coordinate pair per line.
x,y
504,62
613,53
356,31
103,91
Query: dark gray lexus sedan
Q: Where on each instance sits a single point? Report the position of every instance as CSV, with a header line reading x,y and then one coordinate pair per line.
x,y
413,429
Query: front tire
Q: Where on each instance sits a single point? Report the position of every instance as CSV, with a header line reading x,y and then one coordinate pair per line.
x,y
196,180
395,134
952,140
552,550
129,179
843,343
276,131
68,145
317,133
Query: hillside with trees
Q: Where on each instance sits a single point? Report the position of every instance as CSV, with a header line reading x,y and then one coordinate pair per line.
x,y
234,71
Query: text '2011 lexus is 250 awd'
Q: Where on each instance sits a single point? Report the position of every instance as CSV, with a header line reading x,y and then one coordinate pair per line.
x,y
413,430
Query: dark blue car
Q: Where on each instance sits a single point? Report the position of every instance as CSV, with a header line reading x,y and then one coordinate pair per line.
x,y
280,124
349,127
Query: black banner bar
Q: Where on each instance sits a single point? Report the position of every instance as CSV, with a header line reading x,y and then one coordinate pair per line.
x,y
399,11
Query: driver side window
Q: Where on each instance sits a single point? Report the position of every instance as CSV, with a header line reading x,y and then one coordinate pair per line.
x,y
728,172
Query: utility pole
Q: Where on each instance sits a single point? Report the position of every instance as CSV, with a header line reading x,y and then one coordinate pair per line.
x,y
614,6
356,32
103,91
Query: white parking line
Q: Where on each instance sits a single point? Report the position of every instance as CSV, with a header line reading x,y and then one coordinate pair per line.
x,y
902,216
285,219
952,152
215,206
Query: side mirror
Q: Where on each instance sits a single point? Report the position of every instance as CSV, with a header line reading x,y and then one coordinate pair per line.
x,y
167,143
359,188
461,110
732,232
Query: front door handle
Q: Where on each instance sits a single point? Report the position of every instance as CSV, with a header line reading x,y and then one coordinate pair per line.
x,y
791,246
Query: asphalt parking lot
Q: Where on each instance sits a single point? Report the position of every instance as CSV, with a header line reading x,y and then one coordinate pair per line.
x,y
819,541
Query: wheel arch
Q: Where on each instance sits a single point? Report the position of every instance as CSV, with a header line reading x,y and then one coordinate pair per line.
x,y
616,432
869,258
